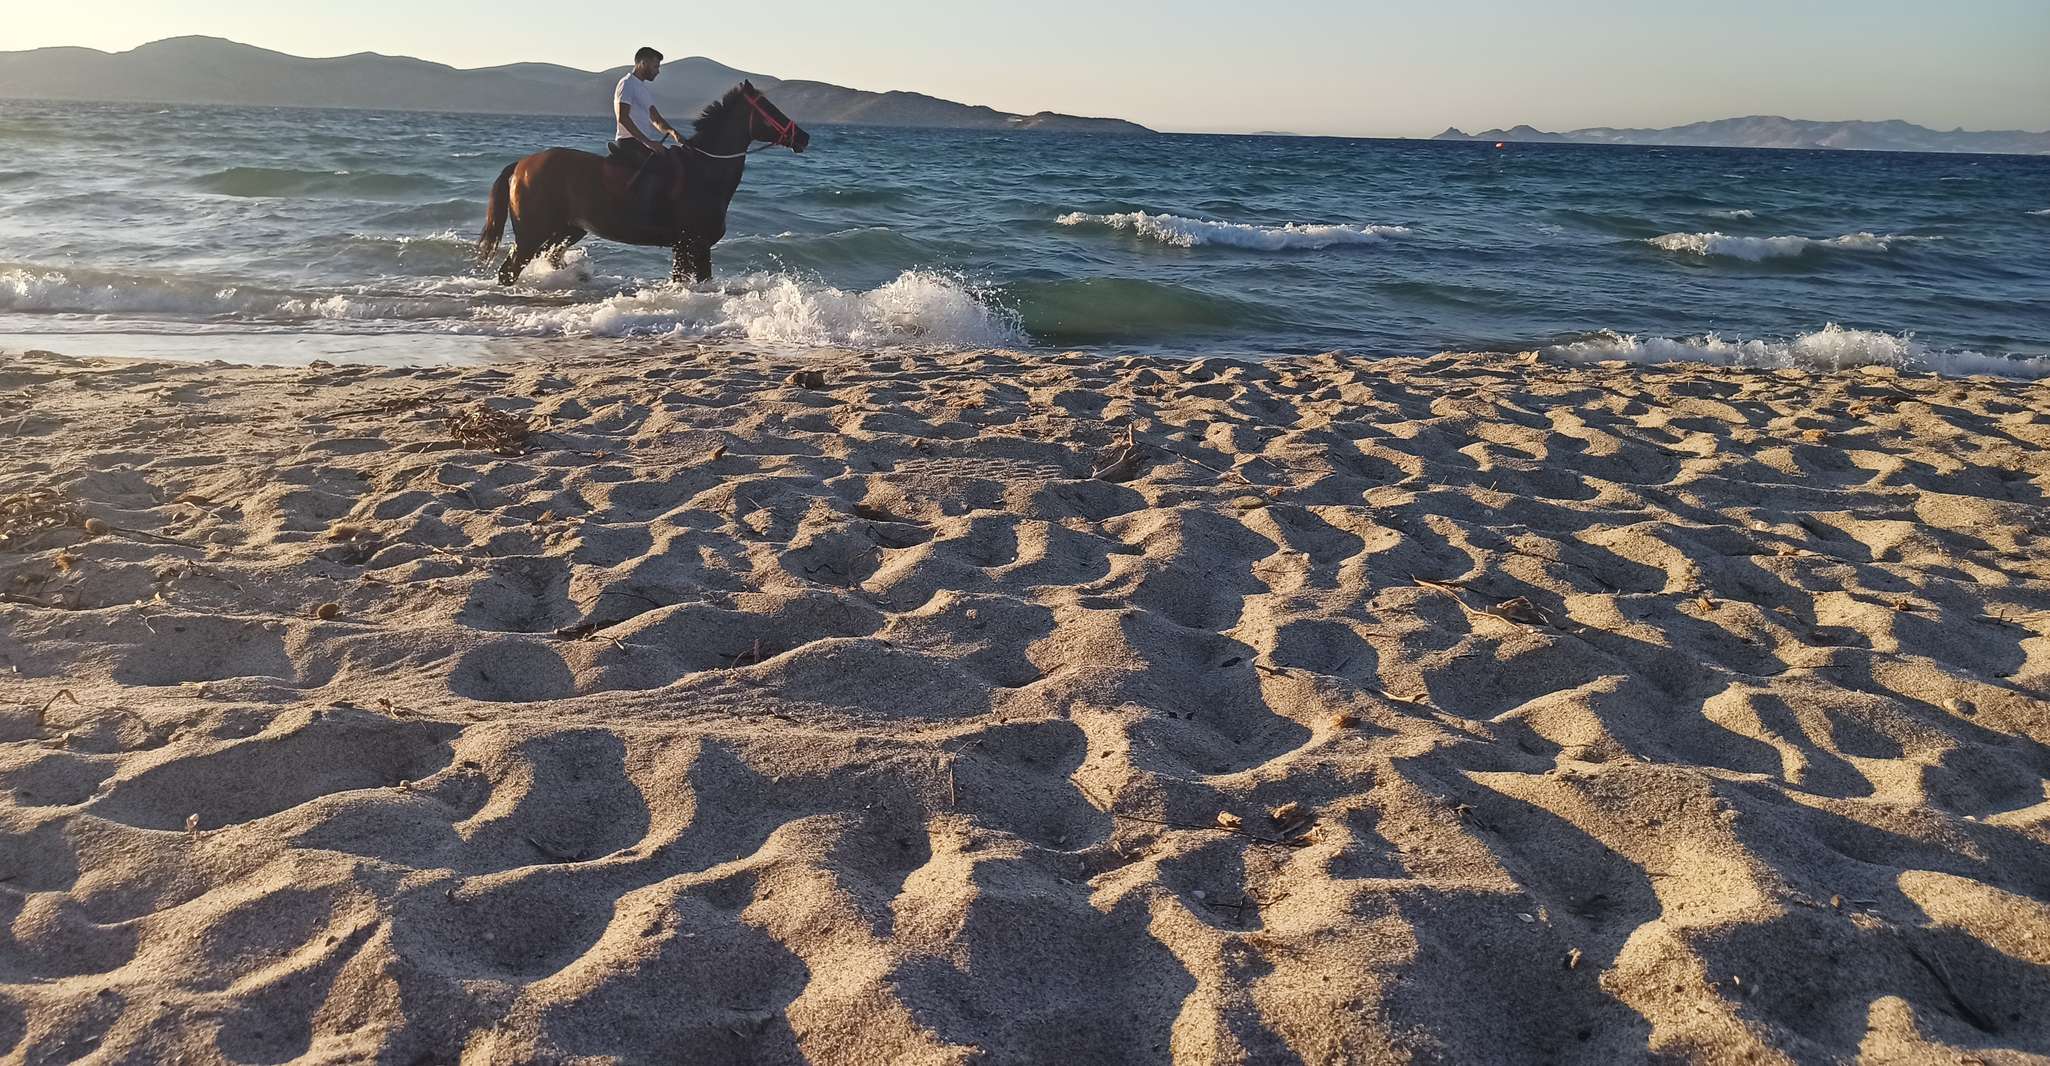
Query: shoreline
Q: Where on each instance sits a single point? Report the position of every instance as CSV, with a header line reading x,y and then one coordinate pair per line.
x,y
1838,350
981,706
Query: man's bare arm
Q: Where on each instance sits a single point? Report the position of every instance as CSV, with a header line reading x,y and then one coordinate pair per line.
x,y
626,118
663,123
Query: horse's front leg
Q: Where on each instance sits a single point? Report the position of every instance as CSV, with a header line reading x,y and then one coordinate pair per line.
x,y
692,259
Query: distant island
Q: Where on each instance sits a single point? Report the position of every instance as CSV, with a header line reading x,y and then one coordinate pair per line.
x,y
1772,131
210,70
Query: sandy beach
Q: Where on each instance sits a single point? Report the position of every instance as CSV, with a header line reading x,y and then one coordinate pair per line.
x,y
666,703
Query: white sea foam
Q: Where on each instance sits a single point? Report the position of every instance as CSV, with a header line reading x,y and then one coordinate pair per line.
x,y
1830,348
2043,212
918,308
1758,249
1196,232
1740,212
58,292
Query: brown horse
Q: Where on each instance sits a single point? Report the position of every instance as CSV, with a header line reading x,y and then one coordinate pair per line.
x,y
557,197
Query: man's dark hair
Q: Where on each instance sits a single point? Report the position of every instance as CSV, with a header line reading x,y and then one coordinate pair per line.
x,y
646,54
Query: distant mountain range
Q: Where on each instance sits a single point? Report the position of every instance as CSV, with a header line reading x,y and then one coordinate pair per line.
x,y
1771,131
209,70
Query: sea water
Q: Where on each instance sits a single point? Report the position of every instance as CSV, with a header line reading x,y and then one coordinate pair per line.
x,y
298,234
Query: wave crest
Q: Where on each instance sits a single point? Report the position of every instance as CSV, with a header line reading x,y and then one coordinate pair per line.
x,y
1196,232
917,309
1830,348
1759,249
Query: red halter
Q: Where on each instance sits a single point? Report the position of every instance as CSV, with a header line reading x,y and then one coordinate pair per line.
x,y
786,130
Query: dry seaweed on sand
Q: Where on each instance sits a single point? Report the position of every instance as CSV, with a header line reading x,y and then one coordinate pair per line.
x,y
26,517
478,426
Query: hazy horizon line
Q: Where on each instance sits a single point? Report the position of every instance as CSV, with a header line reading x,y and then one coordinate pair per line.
x,y
1414,133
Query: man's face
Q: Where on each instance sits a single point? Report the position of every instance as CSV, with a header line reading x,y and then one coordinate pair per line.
x,y
651,70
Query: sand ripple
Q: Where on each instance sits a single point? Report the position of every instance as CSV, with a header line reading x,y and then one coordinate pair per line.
x,y
1464,709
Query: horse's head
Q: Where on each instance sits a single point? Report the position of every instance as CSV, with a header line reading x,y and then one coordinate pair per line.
x,y
768,124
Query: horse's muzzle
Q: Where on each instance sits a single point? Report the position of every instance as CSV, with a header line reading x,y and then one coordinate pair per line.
x,y
799,141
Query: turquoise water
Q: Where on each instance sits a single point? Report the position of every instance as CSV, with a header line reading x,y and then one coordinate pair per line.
x,y
350,230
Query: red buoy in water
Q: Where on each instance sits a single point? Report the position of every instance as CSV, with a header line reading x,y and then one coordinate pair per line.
x,y
1499,145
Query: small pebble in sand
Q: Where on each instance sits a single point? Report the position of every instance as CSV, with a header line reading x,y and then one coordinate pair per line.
x,y
1344,721
1229,820
97,528
328,612
192,826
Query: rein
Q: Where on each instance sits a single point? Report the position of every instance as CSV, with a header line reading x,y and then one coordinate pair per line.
x,y
728,155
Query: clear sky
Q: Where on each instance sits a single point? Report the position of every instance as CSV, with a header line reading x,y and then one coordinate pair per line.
x,y
1309,66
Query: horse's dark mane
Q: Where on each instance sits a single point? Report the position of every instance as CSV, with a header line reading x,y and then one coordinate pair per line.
x,y
708,119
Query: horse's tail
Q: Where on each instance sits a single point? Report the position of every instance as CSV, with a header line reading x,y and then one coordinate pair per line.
x,y
501,207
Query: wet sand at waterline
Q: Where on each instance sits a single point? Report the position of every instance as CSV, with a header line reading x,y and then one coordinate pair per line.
x,y
629,705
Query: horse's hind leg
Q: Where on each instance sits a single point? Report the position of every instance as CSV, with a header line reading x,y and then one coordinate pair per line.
x,y
561,248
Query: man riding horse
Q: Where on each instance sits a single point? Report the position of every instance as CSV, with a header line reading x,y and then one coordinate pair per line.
x,y
642,193
635,117
633,110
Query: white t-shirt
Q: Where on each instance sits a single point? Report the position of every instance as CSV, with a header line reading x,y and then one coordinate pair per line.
x,y
635,94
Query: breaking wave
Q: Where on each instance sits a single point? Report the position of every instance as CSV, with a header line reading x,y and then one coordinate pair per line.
x,y
917,309
1830,348
1759,249
1196,232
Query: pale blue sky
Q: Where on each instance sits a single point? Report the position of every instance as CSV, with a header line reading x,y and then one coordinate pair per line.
x,y
1314,66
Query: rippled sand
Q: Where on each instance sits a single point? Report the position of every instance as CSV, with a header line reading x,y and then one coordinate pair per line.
x,y
999,708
